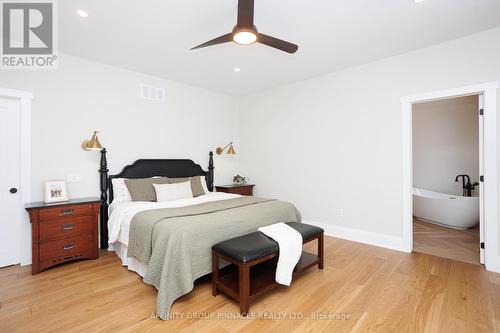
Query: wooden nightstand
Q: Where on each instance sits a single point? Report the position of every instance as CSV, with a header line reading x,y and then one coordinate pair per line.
x,y
244,189
63,231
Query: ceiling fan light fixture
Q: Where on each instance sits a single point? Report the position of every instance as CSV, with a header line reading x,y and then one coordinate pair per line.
x,y
244,37
245,32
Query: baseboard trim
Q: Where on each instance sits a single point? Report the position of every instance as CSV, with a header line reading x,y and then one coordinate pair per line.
x,y
361,236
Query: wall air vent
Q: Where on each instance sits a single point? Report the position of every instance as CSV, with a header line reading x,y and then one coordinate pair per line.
x,y
152,93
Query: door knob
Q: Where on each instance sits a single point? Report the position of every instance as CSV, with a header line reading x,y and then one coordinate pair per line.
x,y
13,190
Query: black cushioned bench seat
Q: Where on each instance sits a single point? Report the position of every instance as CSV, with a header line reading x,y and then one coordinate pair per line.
x,y
256,245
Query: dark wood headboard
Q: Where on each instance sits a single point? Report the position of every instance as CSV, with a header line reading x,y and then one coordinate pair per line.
x,y
145,168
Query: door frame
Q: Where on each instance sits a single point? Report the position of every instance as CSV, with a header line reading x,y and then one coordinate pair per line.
x,y
490,184
24,98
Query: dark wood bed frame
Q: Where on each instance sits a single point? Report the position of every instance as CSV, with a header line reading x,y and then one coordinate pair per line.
x,y
145,168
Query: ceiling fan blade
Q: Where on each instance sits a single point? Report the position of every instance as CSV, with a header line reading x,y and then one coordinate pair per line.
x,y
277,43
245,13
219,40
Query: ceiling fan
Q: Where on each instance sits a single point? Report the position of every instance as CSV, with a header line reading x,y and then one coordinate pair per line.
x,y
245,33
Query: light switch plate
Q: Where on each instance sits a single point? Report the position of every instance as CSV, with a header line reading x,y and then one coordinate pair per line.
x,y
74,178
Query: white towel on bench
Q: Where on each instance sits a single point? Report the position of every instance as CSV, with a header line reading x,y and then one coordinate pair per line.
x,y
290,247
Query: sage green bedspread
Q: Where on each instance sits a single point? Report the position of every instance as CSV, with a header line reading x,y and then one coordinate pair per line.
x,y
175,243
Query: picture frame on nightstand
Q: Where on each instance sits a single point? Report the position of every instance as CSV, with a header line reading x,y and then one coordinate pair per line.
x,y
55,191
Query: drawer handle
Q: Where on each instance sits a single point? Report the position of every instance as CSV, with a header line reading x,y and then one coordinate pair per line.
x,y
67,247
67,211
68,226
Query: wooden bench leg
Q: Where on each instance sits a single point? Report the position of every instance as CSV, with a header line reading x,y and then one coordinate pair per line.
x,y
321,251
244,292
215,273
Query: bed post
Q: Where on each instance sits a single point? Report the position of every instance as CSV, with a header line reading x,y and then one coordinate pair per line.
x,y
210,175
103,170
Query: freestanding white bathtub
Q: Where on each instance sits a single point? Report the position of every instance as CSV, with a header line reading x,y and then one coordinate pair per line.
x,y
445,209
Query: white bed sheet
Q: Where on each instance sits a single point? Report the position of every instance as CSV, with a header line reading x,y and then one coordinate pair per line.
x,y
132,264
122,213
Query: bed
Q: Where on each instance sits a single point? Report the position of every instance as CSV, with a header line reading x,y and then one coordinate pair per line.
x,y
143,168
121,214
169,243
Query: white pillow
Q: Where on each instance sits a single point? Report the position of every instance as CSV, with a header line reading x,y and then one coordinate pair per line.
x,y
120,190
204,184
171,192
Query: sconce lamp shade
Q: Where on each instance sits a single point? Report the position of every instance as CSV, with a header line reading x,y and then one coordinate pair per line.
x,y
230,150
92,144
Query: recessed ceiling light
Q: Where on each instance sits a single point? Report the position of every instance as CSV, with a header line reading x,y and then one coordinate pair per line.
x,y
418,1
237,70
82,13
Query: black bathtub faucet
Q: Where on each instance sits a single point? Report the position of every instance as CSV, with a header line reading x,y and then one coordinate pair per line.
x,y
467,188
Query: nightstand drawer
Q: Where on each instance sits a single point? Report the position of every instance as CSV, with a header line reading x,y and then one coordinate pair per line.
x,y
245,189
65,227
48,214
242,191
67,247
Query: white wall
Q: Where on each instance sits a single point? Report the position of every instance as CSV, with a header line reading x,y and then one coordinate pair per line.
x,y
446,143
82,96
334,142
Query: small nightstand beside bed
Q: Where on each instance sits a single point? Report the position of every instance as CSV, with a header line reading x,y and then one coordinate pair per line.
x,y
63,232
169,243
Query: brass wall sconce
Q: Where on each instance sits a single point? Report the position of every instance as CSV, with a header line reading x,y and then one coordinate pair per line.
x,y
92,144
230,150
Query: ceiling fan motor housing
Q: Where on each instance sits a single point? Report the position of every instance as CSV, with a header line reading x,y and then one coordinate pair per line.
x,y
253,29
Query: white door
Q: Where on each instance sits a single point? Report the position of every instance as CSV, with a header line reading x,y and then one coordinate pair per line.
x,y
11,206
481,187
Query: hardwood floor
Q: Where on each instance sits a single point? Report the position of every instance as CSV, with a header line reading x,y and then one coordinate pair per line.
x,y
378,289
461,245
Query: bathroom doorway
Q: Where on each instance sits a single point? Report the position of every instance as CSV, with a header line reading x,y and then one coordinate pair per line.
x,y
446,175
486,191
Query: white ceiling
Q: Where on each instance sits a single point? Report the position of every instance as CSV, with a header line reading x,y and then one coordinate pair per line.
x,y
154,36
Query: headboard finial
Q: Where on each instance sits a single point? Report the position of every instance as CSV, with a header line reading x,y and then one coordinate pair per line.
x,y
211,172
103,171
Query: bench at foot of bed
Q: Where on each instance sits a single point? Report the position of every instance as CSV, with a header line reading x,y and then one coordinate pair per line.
x,y
254,257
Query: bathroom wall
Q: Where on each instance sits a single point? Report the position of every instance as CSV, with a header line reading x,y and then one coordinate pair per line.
x,y
445,143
